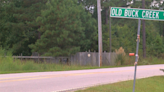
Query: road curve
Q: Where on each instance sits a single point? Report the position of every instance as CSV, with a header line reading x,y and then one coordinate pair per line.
x,y
67,80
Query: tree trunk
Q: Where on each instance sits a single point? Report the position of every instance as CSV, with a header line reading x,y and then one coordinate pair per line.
x,y
143,32
163,28
39,35
106,16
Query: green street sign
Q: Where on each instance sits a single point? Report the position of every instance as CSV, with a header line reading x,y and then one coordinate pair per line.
x,y
135,13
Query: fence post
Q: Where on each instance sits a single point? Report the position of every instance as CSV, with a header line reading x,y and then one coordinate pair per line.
x,y
38,57
21,57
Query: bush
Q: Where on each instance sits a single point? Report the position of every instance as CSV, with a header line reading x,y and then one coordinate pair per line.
x,y
6,61
120,59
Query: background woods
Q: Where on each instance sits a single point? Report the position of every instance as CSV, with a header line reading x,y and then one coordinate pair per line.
x,y
64,27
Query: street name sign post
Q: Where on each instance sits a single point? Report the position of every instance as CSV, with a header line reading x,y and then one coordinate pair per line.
x,y
134,13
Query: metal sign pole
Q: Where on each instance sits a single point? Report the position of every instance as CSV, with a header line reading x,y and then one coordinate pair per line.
x,y
137,57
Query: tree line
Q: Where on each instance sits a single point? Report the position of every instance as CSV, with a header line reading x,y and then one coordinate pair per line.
x,y
64,27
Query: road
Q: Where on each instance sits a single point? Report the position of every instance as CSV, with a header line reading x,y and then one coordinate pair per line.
x,y
67,80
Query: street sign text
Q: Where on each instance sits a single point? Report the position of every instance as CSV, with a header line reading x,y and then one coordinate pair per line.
x,y
137,13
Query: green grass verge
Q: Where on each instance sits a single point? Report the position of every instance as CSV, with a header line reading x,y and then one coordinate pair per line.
x,y
30,66
152,84
9,65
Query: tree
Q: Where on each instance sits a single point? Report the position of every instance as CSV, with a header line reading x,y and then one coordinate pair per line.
x,y
156,47
124,37
143,31
90,24
90,40
61,29
19,26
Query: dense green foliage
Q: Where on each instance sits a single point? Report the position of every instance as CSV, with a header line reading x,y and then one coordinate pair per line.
x,y
18,27
64,27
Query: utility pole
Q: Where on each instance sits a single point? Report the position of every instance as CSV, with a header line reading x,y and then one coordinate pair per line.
x,y
99,31
110,34
143,32
110,19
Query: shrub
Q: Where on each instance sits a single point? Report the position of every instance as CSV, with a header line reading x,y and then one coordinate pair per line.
x,y
120,56
6,61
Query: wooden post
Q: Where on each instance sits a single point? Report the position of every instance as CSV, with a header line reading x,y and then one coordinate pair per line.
x,y
21,57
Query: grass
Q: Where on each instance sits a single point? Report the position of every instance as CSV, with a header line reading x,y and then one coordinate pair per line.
x,y
9,65
30,66
151,60
152,84
129,60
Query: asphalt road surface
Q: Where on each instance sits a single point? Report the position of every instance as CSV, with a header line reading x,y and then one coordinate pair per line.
x,y
68,80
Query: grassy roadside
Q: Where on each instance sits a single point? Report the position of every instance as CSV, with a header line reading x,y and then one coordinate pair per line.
x,y
8,66
152,84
